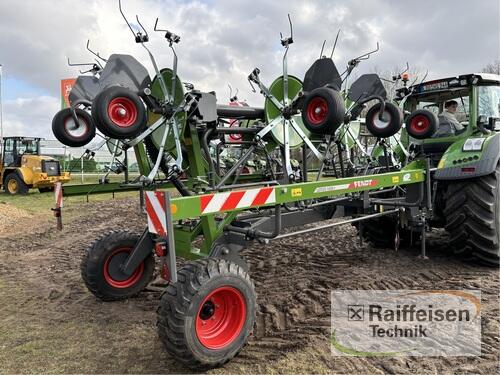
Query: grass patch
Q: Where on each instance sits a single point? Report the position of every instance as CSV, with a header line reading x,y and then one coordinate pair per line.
x,y
36,203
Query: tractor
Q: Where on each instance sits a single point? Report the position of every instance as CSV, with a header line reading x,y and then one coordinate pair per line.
x,y
464,155
22,167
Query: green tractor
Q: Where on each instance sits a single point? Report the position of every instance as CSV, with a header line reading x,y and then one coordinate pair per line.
x,y
455,123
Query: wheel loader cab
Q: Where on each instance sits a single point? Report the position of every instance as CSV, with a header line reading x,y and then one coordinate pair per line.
x,y
15,148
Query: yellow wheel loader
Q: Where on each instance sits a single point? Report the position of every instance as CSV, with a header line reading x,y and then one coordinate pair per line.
x,y
22,167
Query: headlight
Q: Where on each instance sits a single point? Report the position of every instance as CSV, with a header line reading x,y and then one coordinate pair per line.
x,y
473,144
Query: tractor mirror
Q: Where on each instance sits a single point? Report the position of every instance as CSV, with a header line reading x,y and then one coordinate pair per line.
x,y
494,123
365,86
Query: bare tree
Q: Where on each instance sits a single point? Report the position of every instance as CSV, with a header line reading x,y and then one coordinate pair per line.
x,y
493,67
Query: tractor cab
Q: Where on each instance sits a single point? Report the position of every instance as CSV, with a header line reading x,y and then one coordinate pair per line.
x,y
15,147
442,112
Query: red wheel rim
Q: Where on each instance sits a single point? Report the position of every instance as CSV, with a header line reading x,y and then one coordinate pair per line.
x,y
234,124
112,273
419,124
122,111
221,317
317,110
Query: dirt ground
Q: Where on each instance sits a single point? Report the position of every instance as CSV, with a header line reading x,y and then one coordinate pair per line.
x,y
50,323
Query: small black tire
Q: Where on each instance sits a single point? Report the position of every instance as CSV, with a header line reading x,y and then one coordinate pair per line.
x,y
472,212
391,121
66,132
119,113
422,124
100,267
14,184
323,111
207,288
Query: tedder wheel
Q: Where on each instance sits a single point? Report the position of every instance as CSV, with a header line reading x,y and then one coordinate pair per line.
x,y
388,125
119,112
206,317
472,212
381,232
101,271
422,124
69,133
14,184
323,111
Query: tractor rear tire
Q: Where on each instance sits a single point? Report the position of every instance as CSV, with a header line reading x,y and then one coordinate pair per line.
x,y
14,184
101,263
206,317
472,211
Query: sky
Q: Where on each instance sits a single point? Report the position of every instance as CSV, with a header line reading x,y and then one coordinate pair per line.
x,y
222,41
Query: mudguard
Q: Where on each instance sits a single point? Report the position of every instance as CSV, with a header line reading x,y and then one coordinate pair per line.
x,y
457,164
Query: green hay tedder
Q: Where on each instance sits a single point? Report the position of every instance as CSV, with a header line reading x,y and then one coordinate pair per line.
x,y
313,167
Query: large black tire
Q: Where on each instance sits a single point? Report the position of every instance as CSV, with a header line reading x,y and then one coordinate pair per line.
x,y
381,232
100,267
14,184
206,317
69,134
323,111
422,124
119,112
472,212
391,121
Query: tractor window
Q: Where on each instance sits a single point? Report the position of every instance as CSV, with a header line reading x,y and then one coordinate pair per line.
x,y
8,152
27,147
433,107
489,101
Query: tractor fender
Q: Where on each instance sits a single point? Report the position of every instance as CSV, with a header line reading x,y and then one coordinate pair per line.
x,y
26,174
453,163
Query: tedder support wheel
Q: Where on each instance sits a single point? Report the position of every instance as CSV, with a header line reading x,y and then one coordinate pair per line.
x,y
119,112
388,125
68,132
14,184
472,211
422,124
206,317
381,232
323,111
101,264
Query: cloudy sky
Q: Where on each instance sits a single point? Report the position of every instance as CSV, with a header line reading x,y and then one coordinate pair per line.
x,y
223,40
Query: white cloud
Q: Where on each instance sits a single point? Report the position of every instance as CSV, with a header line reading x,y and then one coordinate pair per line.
x,y
223,40
30,116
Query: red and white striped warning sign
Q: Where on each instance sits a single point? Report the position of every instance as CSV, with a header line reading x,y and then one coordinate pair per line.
x,y
157,221
232,200
58,193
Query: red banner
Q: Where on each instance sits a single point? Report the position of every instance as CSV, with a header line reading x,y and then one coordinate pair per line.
x,y
66,86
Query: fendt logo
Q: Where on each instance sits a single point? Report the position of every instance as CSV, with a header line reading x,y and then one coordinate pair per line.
x,y
365,183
